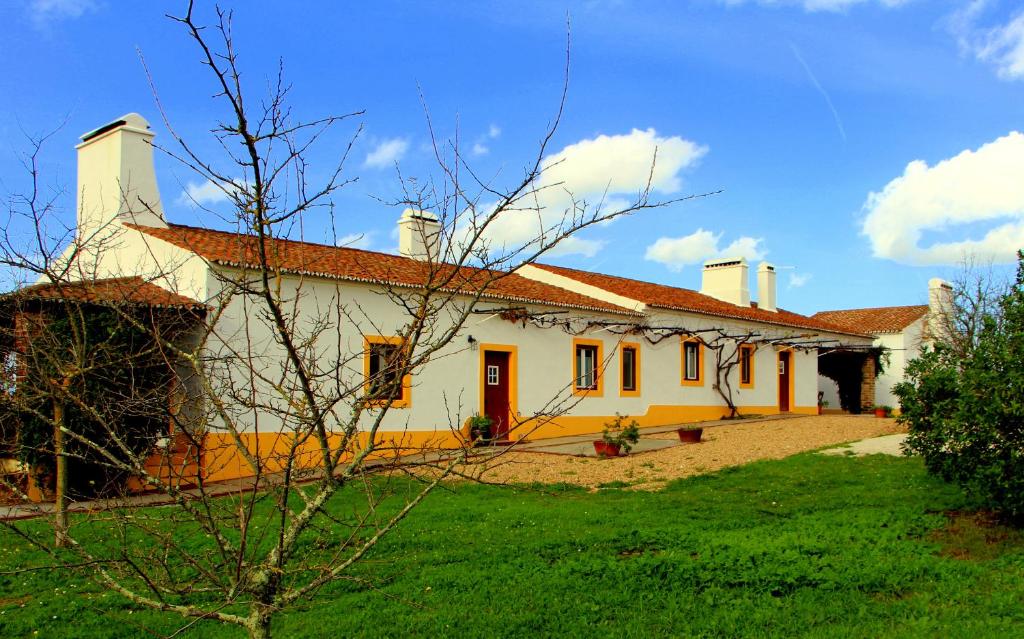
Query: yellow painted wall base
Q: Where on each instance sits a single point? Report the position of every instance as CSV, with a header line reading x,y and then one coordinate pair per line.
x,y
222,458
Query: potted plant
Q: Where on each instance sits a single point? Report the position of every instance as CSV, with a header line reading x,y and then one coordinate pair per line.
x,y
480,429
883,411
690,434
618,437
822,405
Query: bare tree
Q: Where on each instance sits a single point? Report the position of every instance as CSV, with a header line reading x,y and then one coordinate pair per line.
x,y
960,311
262,375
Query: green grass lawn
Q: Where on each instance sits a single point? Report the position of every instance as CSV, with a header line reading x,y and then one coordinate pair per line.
x,y
811,546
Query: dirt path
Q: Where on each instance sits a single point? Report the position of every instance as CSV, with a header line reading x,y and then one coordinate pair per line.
x,y
728,445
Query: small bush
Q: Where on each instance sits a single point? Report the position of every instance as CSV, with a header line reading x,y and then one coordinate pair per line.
x,y
618,432
480,428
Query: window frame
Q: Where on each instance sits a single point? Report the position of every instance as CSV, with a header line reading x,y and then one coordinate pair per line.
x,y
404,400
597,389
635,348
699,349
750,350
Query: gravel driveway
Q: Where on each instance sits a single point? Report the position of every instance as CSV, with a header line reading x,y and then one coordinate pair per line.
x,y
727,445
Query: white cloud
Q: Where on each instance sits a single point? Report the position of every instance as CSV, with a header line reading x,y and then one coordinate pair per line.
x,y
196,194
1004,47
357,240
43,12
796,280
386,153
1001,45
981,186
614,168
621,163
573,245
678,251
748,247
480,145
701,245
818,5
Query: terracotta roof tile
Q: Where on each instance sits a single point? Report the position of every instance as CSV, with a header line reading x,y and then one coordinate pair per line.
x,y
322,260
886,319
682,299
131,291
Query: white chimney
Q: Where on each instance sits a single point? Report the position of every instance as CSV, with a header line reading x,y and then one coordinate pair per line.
x,y
116,178
419,235
727,280
940,308
766,287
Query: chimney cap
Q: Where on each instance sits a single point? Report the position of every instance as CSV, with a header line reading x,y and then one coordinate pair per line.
x,y
725,261
130,120
414,214
766,266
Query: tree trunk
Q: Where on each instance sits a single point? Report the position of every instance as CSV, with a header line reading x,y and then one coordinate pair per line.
x,y
60,503
259,621
259,629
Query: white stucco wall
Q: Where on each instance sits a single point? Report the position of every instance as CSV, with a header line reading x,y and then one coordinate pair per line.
x,y
447,390
903,347
120,251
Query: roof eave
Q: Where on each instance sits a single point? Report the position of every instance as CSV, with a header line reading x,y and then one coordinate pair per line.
x,y
382,282
836,330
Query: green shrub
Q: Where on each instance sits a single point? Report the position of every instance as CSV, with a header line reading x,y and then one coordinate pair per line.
x,y
480,428
966,414
618,432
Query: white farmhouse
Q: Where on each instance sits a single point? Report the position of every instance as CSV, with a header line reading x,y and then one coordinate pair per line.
x,y
593,344
903,331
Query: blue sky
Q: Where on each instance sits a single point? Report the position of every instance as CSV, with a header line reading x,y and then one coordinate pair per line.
x,y
862,146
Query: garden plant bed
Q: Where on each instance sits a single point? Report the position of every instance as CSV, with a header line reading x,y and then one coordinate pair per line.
x,y
731,444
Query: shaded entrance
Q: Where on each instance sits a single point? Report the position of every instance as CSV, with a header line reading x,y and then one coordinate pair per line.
x,y
91,362
854,372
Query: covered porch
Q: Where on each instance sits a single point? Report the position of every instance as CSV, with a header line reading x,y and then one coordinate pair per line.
x,y
92,384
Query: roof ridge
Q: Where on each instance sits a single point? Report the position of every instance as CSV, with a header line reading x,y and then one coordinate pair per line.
x,y
735,311
285,239
871,308
753,304
621,277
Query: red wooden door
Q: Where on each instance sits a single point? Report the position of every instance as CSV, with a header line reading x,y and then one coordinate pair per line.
x,y
496,393
784,377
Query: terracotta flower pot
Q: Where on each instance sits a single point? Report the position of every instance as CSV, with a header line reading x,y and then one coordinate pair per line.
x,y
604,449
821,409
690,435
880,412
